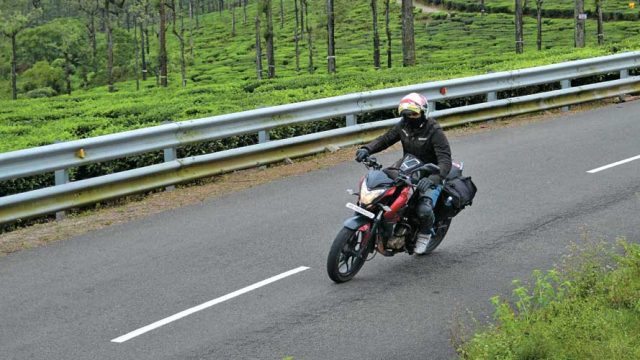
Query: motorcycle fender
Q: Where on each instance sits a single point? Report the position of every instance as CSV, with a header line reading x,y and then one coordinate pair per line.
x,y
356,222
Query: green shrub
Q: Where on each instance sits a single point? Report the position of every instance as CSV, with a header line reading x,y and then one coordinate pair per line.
x,y
41,93
591,311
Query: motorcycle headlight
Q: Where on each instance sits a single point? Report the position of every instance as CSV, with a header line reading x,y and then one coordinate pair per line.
x,y
367,196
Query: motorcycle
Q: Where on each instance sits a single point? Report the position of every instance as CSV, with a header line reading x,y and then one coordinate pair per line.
x,y
384,220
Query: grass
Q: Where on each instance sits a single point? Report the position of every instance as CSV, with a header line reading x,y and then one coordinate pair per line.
x,y
589,309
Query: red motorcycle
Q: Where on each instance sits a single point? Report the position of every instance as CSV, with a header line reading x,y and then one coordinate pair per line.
x,y
384,221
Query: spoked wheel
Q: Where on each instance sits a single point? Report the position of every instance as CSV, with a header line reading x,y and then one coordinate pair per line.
x,y
441,228
345,259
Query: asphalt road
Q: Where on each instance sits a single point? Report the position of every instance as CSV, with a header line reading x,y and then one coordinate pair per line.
x,y
73,299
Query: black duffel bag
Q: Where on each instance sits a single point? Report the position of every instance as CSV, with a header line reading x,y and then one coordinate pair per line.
x,y
461,190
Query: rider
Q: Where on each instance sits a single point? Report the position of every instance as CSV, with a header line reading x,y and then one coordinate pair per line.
x,y
422,137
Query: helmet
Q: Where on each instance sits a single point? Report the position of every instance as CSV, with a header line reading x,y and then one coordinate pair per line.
x,y
415,103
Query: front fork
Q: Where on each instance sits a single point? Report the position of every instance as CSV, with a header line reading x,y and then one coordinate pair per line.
x,y
369,230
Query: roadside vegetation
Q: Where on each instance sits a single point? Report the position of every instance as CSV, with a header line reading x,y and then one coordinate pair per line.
x,y
587,309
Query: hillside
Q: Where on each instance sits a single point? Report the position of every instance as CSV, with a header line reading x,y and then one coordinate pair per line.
x,y
222,76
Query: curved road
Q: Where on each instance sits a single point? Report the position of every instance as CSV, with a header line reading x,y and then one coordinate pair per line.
x,y
84,298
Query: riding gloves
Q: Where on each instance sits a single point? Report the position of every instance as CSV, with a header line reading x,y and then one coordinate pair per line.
x,y
361,154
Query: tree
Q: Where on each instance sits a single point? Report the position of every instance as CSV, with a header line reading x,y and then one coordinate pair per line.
x,y
386,19
258,49
180,36
162,43
12,22
519,38
408,42
107,11
376,36
539,23
600,22
305,4
331,45
296,34
91,8
268,36
580,18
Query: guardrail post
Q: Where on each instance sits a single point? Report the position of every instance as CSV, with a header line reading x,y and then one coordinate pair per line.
x,y
565,84
351,120
263,136
624,73
61,177
170,154
492,96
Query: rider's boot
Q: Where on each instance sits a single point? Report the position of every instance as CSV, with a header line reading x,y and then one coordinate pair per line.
x,y
425,213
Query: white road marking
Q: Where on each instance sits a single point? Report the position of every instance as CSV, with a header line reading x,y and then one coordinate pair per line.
x,y
614,164
208,304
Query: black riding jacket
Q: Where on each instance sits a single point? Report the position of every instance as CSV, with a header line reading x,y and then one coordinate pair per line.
x,y
427,142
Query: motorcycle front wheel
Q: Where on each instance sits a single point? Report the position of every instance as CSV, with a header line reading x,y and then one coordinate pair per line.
x,y
345,258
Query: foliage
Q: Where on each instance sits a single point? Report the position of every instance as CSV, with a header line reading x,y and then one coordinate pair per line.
x,y
43,75
612,10
588,312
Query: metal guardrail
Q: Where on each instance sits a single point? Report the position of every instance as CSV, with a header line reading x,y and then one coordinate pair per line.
x,y
75,153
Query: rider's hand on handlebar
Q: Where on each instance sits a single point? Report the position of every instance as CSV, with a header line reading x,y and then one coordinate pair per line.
x,y
424,184
362,154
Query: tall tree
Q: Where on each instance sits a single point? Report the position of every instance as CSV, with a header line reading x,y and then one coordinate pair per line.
x,y
162,43
388,30
107,11
408,41
281,14
268,36
12,22
580,18
331,44
519,38
296,34
539,23
91,8
600,22
258,49
376,36
309,36
177,9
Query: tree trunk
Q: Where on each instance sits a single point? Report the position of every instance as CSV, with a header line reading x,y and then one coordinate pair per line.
x,y
142,53
258,49
180,36
539,19
268,36
408,42
162,54
386,19
376,36
303,7
233,21
135,49
600,22
107,22
244,10
580,29
309,37
281,14
296,35
94,43
331,45
14,65
67,72
519,39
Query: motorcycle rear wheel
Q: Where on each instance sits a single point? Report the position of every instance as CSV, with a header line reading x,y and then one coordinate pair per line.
x,y
441,230
345,258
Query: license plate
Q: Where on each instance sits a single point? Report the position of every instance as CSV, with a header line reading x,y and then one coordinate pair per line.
x,y
360,210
